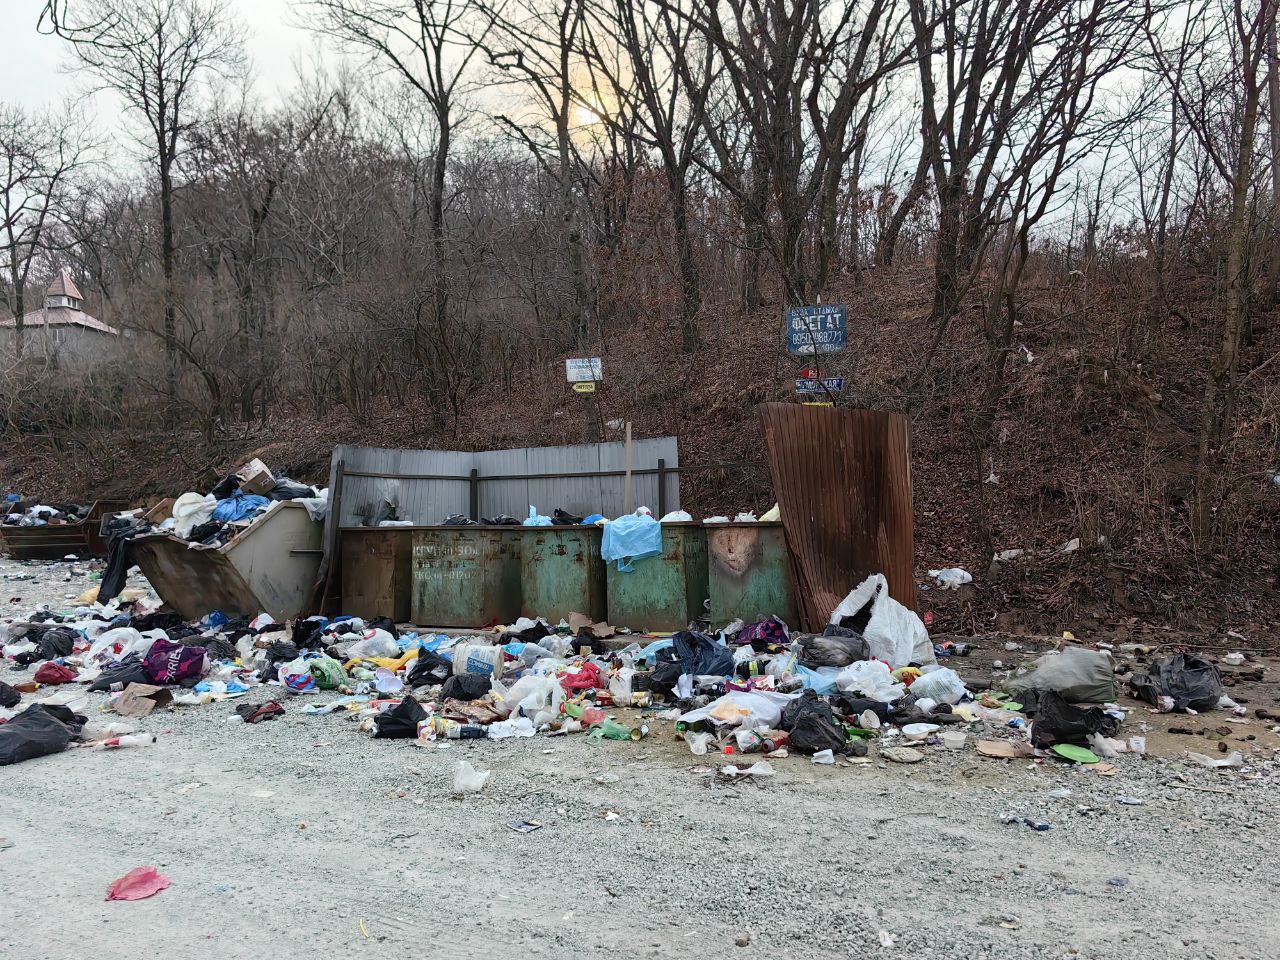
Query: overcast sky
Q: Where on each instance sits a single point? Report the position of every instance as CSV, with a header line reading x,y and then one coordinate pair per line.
x,y
33,67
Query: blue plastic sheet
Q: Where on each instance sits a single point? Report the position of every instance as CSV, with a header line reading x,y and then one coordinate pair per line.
x,y
536,519
631,538
238,507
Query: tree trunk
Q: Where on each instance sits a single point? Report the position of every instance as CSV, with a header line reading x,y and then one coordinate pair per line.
x,y
1214,422
167,264
889,241
690,281
1273,108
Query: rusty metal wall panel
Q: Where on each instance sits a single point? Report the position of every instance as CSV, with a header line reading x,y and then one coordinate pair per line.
x,y
843,483
561,572
377,572
466,576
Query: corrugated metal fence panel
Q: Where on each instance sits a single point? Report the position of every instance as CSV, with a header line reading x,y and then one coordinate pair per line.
x,y
843,482
430,501
422,501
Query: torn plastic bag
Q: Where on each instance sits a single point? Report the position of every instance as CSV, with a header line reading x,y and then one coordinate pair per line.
x,y
429,670
128,670
296,676
629,538
532,694
376,643
763,633
400,722
893,633
1060,722
39,730
943,685
9,697
754,709
1079,675
812,725
701,655
820,650
871,679
1189,681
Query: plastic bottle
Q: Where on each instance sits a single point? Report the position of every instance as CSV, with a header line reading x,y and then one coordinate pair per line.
x,y
129,740
466,731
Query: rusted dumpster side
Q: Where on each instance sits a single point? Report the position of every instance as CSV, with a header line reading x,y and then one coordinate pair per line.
x,y
377,572
56,540
561,572
749,573
466,576
269,568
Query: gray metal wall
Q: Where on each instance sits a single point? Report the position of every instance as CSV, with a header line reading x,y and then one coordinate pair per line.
x,y
429,501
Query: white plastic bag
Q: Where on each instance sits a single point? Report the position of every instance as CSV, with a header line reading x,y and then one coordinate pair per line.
x,y
942,684
697,742
376,643
531,695
951,578
871,679
467,779
894,634
125,636
515,727
753,709
677,516
620,687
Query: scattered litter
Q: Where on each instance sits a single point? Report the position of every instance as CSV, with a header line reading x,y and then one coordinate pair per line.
x,y
466,779
525,826
1038,825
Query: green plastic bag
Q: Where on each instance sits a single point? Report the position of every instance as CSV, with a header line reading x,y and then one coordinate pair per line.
x,y
328,673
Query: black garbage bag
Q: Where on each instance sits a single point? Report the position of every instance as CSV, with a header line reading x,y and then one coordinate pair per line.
x,y
457,520
9,697
400,722
1190,681
125,671
37,731
1061,722
429,670
821,650
165,621
50,645
700,655
466,687
306,633
852,705
217,647
812,724
286,489
665,676
564,518
501,520
119,532
226,487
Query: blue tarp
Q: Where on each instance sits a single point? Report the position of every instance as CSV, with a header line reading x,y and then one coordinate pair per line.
x,y
631,538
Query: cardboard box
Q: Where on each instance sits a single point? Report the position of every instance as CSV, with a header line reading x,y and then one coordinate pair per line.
x,y
254,477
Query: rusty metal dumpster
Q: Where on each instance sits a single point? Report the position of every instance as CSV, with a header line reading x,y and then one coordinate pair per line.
x,y
57,540
377,572
749,573
561,572
665,592
466,576
269,568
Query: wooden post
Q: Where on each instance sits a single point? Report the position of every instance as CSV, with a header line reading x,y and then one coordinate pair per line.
x,y
475,494
626,486
662,488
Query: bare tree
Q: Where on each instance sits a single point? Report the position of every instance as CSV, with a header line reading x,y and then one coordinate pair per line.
x,y
1237,34
38,157
155,54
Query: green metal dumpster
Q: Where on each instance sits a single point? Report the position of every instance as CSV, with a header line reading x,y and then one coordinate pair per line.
x,y
466,576
561,573
662,593
749,573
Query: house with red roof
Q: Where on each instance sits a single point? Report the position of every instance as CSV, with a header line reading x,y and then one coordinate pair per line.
x,y
59,331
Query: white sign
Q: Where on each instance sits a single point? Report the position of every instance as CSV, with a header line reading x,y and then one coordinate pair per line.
x,y
583,370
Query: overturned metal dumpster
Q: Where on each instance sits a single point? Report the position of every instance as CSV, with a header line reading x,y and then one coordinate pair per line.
x,y
269,568
53,541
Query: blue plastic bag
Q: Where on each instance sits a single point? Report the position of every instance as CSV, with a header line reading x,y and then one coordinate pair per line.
x,y
631,538
239,506
536,519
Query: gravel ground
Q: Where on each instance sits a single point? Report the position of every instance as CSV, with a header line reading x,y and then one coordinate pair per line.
x,y
303,838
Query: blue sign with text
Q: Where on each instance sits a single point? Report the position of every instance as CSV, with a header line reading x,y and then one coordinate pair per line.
x,y
812,330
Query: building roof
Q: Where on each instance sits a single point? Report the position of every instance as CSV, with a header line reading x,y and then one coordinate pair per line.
x,y
64,286
61,317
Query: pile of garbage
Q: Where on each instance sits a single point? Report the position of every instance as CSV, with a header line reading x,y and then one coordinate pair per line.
x,y
42,514
209,519
869,680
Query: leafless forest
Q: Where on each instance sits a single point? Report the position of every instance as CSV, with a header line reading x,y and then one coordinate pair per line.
x,y
1056,225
